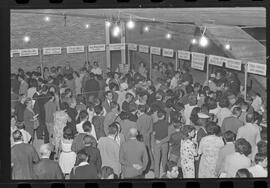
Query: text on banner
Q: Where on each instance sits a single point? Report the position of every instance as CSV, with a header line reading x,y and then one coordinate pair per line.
x,y
167,52
75,49
96,48
117,46
233,63
29,52
256,68
52,50
216,60
198,60
15,51
155,50
144,48
132,47
183,55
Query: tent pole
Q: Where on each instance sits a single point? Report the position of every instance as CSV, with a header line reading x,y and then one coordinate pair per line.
x,y
176,60
150,70
246,75
86,53
41,62
207,69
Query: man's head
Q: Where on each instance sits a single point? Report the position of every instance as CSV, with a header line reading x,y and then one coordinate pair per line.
x,y
261,159
81,156
250,118
171,169
114,106
109,95
229,136
17,136
133,132
237,111
45,150
113,129
83,115
87,127
242,146
262,147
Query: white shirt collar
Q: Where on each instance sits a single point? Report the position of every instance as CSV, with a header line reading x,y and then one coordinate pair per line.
x,y
19,142
83,163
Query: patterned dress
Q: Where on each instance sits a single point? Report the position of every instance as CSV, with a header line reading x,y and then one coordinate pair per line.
x,y
209,148
188,152
60,121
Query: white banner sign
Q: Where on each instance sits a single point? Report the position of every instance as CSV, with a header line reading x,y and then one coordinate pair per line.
x,y
155,50
144,48
75,49
117,46
16,51
167,52
29,52
52,50
256,68
183,54
198,60
132,47
96,48
233,63
216,60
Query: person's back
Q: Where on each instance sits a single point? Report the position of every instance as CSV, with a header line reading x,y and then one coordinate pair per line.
x,y
231,124
94,157
250,132
109,151
48,169
84,171
23,156
77,143
126,125
98,122
133,152
145,126
92,85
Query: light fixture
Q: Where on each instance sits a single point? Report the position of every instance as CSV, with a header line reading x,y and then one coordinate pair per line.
x,y
203,41
168,36
47,18
107,23
116,31
130,24
194,41
87,26
146,29
227,46
26,39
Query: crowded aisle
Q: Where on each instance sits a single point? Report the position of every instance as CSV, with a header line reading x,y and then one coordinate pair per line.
x,y
91,124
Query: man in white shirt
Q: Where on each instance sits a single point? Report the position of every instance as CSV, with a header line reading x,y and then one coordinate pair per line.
x,y
175,80
238,159
192,103
250,132
96,69
259,170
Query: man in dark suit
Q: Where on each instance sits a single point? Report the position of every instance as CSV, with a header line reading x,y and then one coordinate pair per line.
x,y
107,102
46,168
133,156
23,157
83,170
91,88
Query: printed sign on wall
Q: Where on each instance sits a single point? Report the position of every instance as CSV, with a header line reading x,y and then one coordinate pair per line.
x,y
52,50
197,61
233,63
144,48
29,52
216,60
256,68
117,46
155,50
132,47
75,49
96,48
183,54
15,51
167,52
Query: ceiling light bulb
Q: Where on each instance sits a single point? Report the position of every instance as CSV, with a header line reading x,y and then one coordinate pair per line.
x,y
130,24
108,24
168,36
193,41
116,31
227,46
203,41
87,26
146,29
26,39
47,18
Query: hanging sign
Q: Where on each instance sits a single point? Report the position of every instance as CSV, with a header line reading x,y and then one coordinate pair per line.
x,y
16,51
233,63
167,52
132,47
75,49
256,68
117,46
183,54
29,52
198,60
216,60
96,48
144,48
155,50
52,50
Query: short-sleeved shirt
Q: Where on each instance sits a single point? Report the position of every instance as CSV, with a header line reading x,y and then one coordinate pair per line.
x,y
161,129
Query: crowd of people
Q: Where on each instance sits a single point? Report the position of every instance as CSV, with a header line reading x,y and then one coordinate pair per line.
x,y
91,125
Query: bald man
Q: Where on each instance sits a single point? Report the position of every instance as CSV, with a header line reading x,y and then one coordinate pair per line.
x,y
133,156
46,168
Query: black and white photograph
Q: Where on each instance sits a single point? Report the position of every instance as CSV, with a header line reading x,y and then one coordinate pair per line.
x,y
150,93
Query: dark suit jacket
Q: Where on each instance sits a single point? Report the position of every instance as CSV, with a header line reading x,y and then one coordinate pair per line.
x,y
92,86
106,105
98,124
94,157
84,172
48,169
